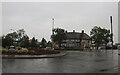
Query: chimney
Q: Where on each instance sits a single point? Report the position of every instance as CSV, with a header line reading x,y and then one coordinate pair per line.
x,y
73,30
82,31
66,31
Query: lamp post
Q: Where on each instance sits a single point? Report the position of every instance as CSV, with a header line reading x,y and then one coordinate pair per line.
x,y
52,33
52,26
111,31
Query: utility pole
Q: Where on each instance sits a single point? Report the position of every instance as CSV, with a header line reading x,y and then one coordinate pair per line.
x,y
52,33
111,31
52,26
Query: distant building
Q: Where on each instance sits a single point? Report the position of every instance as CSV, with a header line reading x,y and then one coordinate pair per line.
x,y
76,40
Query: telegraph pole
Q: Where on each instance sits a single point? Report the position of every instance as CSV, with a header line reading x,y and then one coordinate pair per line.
x,y
111,31
52,26
52,33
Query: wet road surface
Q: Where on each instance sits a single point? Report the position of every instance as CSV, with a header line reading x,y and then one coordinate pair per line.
x,y
74,62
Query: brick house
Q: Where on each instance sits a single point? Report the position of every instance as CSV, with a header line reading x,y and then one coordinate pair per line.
x,y
76,40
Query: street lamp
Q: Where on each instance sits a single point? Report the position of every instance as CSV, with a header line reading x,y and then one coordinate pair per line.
x,y
111,31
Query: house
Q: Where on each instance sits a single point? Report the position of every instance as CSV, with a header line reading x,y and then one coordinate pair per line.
x,y
76,40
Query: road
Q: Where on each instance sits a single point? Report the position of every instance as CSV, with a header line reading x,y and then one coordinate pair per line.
x,y
74,62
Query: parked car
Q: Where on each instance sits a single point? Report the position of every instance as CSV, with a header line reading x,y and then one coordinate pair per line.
x,y
12,48
118,47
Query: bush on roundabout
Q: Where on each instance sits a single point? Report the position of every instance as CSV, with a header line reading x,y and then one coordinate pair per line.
x,y
25,51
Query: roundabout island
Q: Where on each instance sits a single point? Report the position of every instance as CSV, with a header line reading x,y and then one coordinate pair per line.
x,y
32,54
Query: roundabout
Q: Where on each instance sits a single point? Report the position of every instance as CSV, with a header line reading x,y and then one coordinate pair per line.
x,y
33,56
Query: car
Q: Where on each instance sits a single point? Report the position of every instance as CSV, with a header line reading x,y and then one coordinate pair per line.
x,y
118,46
12,48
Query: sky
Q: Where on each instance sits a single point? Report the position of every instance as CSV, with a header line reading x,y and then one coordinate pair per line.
x,y
36,17
119,22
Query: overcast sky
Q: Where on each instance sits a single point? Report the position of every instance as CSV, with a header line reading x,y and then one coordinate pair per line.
x,y
36,17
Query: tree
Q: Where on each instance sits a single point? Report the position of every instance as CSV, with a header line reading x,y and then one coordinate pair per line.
x,y
25,42
43,43
7,41
100,36
49,44
106,36
13,35
19,38
34,43
58,36
21,33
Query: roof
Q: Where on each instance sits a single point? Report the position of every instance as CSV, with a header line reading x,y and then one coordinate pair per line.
x,y
77,35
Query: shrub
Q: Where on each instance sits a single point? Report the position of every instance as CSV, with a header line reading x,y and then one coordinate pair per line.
x,y
3,50
22,51
32,52
12,52
19,48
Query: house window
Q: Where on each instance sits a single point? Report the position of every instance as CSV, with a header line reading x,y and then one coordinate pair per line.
x,y
77,40
67,40
72,40
63,44
63,40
